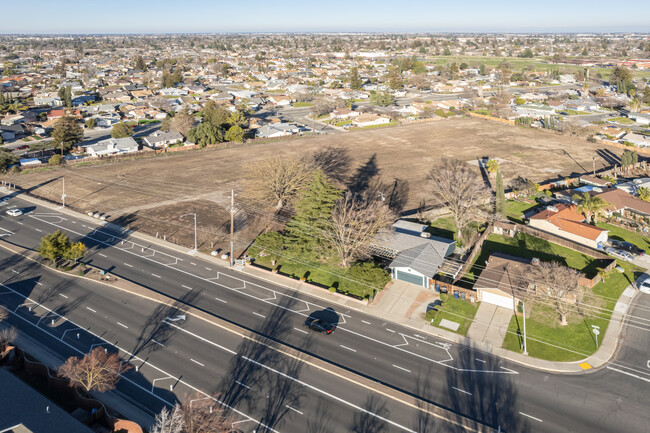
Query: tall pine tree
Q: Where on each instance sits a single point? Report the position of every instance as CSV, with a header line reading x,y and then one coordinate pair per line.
x,y
313,212
501,197
355,80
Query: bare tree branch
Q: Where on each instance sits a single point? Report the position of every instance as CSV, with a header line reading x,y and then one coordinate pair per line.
x,y
278,179
354,223
96,371
169,421
203,415
558,285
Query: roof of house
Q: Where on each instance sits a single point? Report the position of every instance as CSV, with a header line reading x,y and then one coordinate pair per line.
x,y
620,199
425,258
160,136
503,272
24,406
593,179
566,218
120,144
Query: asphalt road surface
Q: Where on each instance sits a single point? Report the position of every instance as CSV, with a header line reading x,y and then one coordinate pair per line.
x,y
479,385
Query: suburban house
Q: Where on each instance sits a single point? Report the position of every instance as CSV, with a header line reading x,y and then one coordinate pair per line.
x,y
343,113
277,130
50,101
173,91
633,186
415,255
591,180
502,278
641,118
565,221
368,119
112,146
626,205
280,100
637,139
161,139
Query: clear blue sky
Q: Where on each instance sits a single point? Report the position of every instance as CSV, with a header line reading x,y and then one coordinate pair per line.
x,y
199,16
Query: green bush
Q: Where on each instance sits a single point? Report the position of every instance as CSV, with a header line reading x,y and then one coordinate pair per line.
x,y
364,279
332,289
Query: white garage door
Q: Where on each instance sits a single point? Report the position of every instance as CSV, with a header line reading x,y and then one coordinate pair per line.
x,y
499,300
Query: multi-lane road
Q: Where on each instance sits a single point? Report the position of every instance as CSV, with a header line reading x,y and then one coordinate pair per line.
x,y
458,377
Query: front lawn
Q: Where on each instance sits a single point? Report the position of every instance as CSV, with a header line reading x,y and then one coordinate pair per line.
x,y
622,120
455,310
622,234
444,227
516,208
546,339
303,104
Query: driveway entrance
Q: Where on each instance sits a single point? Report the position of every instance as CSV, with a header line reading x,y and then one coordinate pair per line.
x,y
490,324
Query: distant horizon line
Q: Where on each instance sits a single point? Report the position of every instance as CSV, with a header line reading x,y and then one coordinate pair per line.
x,y
297,32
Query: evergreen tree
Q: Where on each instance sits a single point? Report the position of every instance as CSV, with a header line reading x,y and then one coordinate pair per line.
x,y
67,132
313,212
68,96
501,197
355,80
395,78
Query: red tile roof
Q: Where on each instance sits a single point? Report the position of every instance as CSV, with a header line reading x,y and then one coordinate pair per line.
x,y
569,220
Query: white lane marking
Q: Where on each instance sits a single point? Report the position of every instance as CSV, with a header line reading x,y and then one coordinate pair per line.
x,y
205,340
509,370
197,362
301,330
332,396
366,322
38,230
15,271
192,263
208,269
8,231
90,309
18,222
186,287
160,344
401,368
126,264
480,360
61,294
221,300
103,255
461,390
636,376
348,348
136,358
389,330
530,416
295,410
157,276
241,384
123,325
258,314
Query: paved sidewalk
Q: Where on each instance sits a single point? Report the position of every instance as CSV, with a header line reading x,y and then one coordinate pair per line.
x,y
603,355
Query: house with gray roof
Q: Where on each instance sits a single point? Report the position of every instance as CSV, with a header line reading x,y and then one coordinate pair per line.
x,y
112,146
161,139
415,255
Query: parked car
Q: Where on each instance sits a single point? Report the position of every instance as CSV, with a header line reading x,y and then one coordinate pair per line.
x,y
627,246
15,212
319,325
644,287
619,254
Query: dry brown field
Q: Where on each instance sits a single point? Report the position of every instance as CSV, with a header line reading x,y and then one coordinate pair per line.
x,y
151,193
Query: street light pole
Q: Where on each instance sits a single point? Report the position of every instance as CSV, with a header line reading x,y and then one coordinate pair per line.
x,y
523,309
63,194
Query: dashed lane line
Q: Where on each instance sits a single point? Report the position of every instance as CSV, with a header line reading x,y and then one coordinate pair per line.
x,y
88,308
197,362
402,368
461,390
530,416
123,325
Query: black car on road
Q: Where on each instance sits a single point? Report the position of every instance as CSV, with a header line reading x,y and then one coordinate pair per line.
x,y
319,325
627,246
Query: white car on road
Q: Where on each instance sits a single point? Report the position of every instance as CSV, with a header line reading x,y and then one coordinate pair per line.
x,y
14,212
644,286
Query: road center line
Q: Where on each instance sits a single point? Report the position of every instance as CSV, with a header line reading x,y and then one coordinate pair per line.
x,y
197,362
401,368
295,410
123,325
531,417
258,314
348,348
89,308
463,391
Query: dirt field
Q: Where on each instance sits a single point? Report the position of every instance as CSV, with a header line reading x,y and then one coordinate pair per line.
x,y
152,193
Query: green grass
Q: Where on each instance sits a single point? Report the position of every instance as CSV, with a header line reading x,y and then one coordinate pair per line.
x,y
455,310
516,208
342,122
444,227
622,120
392,123
546,339
303,104
622,234
575,112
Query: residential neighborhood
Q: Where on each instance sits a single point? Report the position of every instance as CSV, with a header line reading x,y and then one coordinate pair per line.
x,y
314,218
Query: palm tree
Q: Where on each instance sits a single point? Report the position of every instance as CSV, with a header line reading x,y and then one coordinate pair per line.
x,y
590,205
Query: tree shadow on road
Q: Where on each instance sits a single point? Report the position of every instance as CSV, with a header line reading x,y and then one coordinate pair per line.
x,y
481,390
321,418
368,421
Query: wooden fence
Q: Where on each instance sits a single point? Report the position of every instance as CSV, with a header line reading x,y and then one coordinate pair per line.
x,y
561,241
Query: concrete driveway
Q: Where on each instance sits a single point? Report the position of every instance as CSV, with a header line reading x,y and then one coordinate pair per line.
x,y
490,324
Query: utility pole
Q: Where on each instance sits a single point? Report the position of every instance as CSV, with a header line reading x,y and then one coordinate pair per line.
x,y
232,227
63,194
523,309
593,159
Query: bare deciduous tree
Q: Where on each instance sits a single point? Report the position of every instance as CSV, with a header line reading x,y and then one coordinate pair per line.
x,y
3,313
558,285
353,225
169,421
204,415
96,371
183,121
278,179
7,336
454,183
